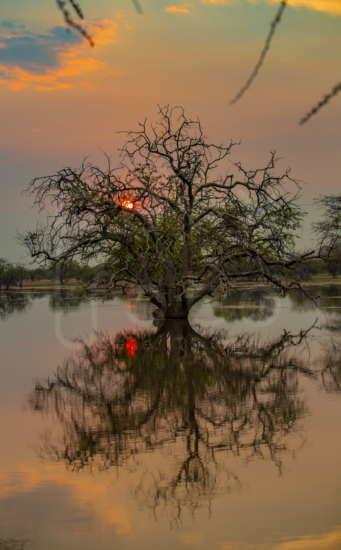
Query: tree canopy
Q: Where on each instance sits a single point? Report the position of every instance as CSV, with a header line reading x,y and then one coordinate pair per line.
x,y
167,221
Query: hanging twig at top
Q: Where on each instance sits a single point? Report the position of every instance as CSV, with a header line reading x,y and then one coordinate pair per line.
x,y
262,55
62,5
71,22
138,6
322,103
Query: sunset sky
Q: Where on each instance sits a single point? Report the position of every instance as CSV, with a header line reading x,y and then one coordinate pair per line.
x,y
62,100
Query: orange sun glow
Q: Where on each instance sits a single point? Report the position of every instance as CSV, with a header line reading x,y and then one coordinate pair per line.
x,y
128,204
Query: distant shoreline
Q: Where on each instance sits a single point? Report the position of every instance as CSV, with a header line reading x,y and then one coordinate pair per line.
x,y
74,285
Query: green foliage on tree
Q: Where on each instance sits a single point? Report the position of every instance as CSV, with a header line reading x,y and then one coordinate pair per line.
x,y
328,231
11,274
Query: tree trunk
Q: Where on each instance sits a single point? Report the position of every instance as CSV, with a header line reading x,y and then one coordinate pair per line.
x,y
177,309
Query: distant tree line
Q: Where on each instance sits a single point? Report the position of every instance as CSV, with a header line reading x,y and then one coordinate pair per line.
x,y
13,274
328,264
321,266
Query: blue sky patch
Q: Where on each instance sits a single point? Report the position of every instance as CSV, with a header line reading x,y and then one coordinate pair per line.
x,y
31,52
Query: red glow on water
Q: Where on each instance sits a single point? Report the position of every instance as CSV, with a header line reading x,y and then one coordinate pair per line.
x,y
128,204
131,346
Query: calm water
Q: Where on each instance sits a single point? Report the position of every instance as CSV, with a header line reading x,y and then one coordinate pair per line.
x,y
118,431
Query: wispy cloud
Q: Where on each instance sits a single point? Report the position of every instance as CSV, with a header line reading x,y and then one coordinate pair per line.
x,y
85,497
11,25
46,60
328,541
217,2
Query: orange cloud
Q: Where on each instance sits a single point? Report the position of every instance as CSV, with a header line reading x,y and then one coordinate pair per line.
x,y
192,539
327,541
332,7
45,61
179,9
329,6
217,1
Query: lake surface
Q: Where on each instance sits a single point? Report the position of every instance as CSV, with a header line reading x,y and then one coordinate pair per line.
x,y
121,431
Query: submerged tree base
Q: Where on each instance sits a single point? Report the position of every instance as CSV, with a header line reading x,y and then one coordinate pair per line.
x,y
177,311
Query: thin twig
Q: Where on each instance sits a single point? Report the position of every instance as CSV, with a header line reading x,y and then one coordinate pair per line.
x,y
322,103
71,22
138,6
77,8
262,55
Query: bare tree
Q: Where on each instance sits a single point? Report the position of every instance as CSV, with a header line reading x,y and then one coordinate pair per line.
x,y
165,220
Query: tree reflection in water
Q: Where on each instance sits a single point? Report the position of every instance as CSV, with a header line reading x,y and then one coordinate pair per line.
x,y
18,302
13,302
196,398
256,304
330,361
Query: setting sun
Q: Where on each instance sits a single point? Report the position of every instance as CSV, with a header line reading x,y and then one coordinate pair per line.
x,y
128,204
